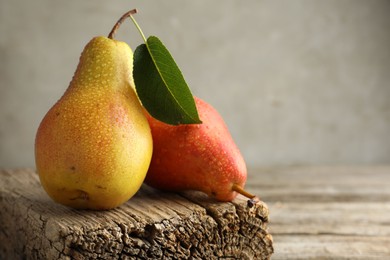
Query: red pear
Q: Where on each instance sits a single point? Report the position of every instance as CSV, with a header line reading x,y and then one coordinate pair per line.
x,y
199,157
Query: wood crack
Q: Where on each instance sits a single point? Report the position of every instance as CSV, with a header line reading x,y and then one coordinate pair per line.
x,y
152,225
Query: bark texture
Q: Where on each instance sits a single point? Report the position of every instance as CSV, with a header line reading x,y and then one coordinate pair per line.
x,y
151,225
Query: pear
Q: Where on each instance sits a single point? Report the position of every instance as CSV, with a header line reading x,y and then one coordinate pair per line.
x,y
200,157
94,146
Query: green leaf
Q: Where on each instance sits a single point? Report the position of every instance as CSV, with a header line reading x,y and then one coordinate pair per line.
x,y
161,86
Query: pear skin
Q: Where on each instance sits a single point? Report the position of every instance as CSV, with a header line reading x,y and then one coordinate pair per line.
x,y
199,157
94,146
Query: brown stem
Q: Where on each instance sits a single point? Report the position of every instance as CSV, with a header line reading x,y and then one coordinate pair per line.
x,y
253,199
111,35
240,190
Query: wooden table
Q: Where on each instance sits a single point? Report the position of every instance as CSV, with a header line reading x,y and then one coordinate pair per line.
x,y
315,213
327,212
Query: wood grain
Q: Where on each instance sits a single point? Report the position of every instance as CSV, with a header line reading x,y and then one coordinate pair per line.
x,y
325,212
152,225
318,212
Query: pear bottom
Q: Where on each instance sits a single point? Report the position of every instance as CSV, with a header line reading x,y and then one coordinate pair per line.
x,y
95,155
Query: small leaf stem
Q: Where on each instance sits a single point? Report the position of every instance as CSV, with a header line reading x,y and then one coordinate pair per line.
x,y
253,199
138,28
111,35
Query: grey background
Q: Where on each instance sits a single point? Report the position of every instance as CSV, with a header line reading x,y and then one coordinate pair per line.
x,y
297,82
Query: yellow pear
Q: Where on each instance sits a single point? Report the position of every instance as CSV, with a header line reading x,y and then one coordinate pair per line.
x,y
94,146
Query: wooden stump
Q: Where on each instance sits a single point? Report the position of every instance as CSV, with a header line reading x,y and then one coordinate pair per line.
x,y
151,225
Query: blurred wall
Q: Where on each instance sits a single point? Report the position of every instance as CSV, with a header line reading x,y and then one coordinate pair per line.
x,y
298,82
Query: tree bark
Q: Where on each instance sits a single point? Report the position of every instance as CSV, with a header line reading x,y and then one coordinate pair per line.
x,y
151,225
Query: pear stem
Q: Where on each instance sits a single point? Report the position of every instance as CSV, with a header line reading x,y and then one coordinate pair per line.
x,y
130,13
111,35
253,199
